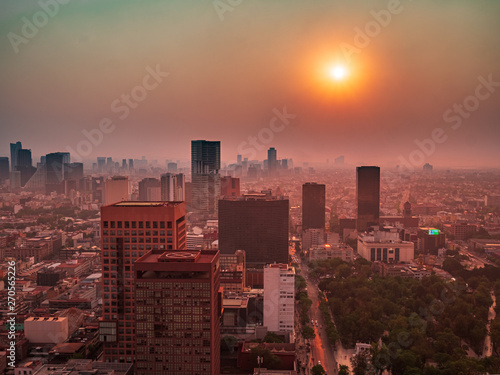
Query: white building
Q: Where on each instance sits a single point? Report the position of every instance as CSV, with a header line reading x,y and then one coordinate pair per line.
x,y
327,251
46,330
279,288
385,246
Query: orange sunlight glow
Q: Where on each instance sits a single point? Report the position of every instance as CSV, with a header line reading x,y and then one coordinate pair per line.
x,y
339,73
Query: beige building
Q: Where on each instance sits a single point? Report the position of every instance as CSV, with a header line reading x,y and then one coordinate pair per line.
x,y
116,190
328,252
40,330
385,246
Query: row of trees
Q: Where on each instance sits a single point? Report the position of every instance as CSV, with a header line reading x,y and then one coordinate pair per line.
x,y
330,329
304,305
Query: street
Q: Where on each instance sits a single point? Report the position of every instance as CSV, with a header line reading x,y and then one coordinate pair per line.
x,y
321,351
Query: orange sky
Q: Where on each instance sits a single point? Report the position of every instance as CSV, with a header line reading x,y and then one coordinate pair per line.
x,y
227,72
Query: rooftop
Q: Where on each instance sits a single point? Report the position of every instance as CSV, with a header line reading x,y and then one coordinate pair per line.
x,y
146,204
185,256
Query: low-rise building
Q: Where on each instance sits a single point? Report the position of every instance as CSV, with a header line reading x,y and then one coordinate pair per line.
x,y
46,330
327,251
385,246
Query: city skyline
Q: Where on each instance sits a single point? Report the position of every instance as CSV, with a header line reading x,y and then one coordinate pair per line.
x,y
242,187
414,67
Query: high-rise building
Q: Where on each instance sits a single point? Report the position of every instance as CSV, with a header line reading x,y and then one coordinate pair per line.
x,y
279,290
172,167
178,310
73,171
313,206
4,169
131,164
101,164
24,164
24,158
205,177
188,195
368,195
128,231
116,189
167,187
172,187
272,163
15,179
256,223
339,161
14,148
55,171
124,163
233,272
149,190
229,186
180,187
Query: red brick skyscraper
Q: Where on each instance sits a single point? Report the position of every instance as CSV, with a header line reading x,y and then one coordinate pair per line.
x,y
129,230
178,313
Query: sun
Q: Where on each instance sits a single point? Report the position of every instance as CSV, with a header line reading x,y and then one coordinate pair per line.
x,y
338,72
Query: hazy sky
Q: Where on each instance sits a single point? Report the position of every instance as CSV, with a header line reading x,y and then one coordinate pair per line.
x,y
231,68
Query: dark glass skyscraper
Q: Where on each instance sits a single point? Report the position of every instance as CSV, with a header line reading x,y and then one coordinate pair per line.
x,y
272,160
313,206
24,158
368,195
24,164
55,171
4,169
14,148
73,171
205,177
256,223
